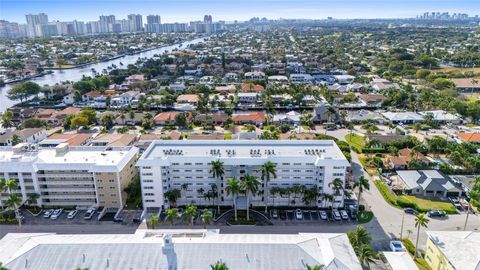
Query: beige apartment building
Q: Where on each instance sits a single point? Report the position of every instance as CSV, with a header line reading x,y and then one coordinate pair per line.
x,y
70,176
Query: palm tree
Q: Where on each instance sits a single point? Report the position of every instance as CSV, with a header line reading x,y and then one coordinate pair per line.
x,y
153,221
189,214
33,198
268,169
362,184
337,186
2,267
409,232
474,196
329,198
207,217
316,267
219,265
420,221
171,215
172,196
10,184
184,188
249,185
13,202
217,172
359,236
365,254
213,194
233,188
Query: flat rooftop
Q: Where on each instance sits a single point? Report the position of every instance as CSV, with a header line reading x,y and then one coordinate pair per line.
x,y
83,155
190,249
327,149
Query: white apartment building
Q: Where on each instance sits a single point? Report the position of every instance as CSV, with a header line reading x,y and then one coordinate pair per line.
x,y
166,165
69,176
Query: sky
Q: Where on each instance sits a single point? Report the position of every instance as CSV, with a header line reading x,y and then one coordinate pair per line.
x,y
229,10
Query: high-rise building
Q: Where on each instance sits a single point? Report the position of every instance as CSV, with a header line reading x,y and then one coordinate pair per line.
x,y
33,20
151,19
9,29
105,22
135,22
153,24
207,19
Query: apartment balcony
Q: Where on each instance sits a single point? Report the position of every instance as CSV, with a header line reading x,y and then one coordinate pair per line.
x,y
65,182
72,196
68,203
68,175
68,190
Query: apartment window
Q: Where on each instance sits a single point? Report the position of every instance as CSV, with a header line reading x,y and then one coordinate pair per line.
x,y
187,164
297,164
111,180
309,164
338,168
147,174
100,187
149,200
296,171
148,187
147,181
286,164
149,194
338,174
146,168
199,170
112,187
114,201
199,164
175,164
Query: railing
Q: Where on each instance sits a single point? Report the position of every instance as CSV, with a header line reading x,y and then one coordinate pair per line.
x,y
73,196
67,190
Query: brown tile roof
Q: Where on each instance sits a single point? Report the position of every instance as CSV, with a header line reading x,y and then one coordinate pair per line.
x,y
75,139
250,117
252,87
469,137
116,139
165,116
190,98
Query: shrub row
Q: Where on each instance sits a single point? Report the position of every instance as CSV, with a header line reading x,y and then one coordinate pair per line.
x,y
405,203
408,245
387,195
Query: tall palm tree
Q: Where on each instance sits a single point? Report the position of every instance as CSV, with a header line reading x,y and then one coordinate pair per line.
x,y
173,195
190,214
365,254
184,188
13,202
172,215
33,198
153,221
474,196
10,185
337,186
362,184
268,170
219,265
359,236
207,217
217,172
420,221
249,185
233,188
329,198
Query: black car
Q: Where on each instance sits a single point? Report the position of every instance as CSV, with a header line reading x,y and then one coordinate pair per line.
x,y
410,211
436,213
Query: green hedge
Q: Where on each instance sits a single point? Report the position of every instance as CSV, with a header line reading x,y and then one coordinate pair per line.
x,y
387,195
373,150
409,245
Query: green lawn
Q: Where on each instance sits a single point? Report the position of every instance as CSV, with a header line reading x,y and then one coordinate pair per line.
x,y
357,142
426,205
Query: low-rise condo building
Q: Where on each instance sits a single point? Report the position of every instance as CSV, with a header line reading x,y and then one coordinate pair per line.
x,y
69,176
187,166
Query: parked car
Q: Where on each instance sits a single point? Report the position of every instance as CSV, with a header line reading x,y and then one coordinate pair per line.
x,y
283,214
56,214
48,213
323,215
299,214
436,213
89,214
344,214
336,214
72,214
353,215
410,211
275,213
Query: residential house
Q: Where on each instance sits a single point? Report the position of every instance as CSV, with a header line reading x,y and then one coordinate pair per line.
x,y
372,100
251,87
215,118
289,118
472,137
442,117
467,84
359,116
429,183
254,118
165,118
254,75
405,156
72,139
383,84
130,119
135,78
301,78
114,140
403,117
26,135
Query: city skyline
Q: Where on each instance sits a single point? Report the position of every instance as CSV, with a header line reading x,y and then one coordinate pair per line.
x,y
188,10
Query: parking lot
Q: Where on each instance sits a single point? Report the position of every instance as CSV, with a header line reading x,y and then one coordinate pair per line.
x,y
293,217
79,219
